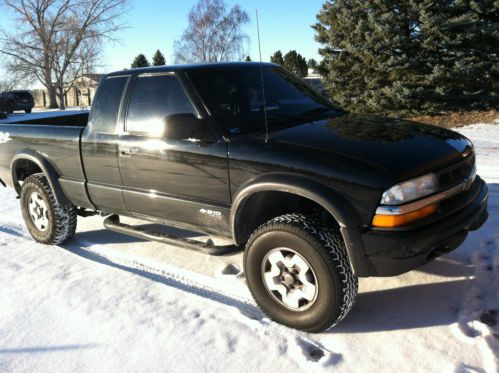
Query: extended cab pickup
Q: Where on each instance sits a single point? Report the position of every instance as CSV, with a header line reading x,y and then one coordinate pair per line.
x,y
316,196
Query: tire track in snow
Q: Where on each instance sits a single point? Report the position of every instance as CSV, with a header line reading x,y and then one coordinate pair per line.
x,y
172,276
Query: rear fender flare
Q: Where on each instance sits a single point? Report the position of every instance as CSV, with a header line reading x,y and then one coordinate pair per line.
x,y
48,170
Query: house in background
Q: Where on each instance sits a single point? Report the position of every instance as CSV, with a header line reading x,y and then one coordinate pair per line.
x,y
81,93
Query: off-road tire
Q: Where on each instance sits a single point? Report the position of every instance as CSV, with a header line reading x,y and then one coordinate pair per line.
x,y
324,249
61,220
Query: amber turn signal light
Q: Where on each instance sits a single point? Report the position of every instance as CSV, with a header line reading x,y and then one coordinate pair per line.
x,y
391,221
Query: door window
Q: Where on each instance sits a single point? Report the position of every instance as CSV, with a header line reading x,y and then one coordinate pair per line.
x,y
153,99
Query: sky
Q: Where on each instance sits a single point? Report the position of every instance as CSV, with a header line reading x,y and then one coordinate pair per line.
x,y
284,25
151,25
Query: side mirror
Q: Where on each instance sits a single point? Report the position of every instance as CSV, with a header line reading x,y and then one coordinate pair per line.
x,y
184,126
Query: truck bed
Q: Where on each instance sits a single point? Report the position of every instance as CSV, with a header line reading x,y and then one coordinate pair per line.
x,y
68,119
57,137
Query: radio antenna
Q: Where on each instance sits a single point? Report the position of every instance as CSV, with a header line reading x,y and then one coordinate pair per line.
x,y
263,80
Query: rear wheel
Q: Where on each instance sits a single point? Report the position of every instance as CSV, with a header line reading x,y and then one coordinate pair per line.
x,y
47,221
299,274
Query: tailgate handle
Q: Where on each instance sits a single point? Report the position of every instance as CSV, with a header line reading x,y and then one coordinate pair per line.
x,y
125,152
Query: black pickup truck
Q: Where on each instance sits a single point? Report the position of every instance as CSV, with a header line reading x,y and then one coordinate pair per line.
x,y
316,196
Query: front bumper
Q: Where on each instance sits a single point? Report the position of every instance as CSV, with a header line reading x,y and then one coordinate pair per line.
x,y
390,253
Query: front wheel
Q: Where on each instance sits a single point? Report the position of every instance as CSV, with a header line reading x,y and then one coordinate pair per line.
x,y
299,274
28,111
47,221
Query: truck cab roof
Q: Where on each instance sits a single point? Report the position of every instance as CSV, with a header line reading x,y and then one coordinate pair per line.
x,y
193,67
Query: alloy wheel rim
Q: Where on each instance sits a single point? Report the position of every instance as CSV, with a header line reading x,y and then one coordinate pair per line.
x,y
38,211
289,279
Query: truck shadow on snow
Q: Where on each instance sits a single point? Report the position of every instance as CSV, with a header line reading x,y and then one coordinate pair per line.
x,y
408,307
447,266
104,236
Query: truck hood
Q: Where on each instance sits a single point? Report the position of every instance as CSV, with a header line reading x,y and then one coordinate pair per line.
x,y
402,148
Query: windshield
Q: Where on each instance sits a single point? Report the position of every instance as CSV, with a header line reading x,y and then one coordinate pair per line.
x,y
235,98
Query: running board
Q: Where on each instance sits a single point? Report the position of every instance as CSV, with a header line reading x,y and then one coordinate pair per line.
x,y
113,223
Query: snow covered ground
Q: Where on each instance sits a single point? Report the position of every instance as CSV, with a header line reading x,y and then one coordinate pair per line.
x,y
106,302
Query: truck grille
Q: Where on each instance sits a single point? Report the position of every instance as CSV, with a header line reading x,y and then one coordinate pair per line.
x,y
456,173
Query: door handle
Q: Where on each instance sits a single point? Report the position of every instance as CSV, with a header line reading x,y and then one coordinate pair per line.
x,y
125,152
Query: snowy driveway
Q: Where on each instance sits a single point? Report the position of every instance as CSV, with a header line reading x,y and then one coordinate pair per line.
x,y
107,303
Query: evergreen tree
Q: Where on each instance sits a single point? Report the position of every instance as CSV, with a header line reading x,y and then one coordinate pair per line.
x,y
277,58
410,56
312,64
296,63
158,59
465,68
140,61
248,59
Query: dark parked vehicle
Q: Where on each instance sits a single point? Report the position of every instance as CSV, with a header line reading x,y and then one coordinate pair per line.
x,y
316,197
17,101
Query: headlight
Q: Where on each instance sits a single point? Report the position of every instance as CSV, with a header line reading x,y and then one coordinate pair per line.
x,y
410,190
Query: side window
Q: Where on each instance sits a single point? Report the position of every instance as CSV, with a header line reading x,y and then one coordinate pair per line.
x,y
154,98
106,105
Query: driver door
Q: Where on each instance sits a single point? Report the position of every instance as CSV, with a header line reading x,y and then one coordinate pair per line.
x,y
174,180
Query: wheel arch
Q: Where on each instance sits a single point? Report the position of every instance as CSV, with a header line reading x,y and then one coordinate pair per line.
x,y
28,162
332,201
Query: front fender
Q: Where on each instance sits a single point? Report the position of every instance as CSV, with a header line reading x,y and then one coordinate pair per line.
x,y
46,167
331,200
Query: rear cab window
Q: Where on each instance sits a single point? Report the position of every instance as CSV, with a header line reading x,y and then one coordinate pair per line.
x,y
106,104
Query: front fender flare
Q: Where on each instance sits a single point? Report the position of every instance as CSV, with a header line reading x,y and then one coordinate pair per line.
x,y
48,170
332,201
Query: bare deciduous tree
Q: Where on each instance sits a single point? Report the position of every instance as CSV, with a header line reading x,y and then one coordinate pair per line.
x,y
7,84
213,35
55,40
